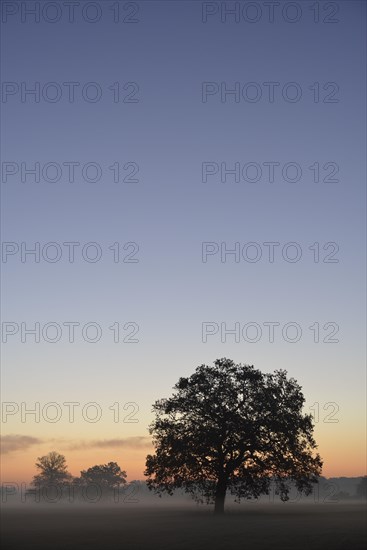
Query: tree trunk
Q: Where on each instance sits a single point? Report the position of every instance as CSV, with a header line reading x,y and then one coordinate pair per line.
x,y
220,495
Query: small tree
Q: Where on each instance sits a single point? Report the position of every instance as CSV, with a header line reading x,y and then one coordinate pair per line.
x,y
52,471
232,427
107,477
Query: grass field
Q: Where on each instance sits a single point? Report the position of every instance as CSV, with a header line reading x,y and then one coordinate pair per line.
x,y
258,527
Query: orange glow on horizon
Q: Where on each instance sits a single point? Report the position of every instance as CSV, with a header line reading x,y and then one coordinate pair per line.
x,y
19,467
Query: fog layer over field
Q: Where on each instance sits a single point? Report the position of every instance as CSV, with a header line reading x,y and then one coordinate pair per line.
x,y
337,526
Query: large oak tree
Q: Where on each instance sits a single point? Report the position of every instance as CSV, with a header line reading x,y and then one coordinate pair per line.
x,y
231,427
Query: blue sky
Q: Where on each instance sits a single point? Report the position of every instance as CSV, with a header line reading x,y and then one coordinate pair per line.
x,y
170,212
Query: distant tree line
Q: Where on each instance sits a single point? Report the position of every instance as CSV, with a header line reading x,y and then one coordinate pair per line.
x,y
53,481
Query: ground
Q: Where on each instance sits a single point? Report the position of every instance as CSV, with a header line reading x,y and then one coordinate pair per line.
x,y
297,526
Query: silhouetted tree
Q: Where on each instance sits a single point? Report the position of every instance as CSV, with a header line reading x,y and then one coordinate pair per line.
x,y
52,471
106,476
232,427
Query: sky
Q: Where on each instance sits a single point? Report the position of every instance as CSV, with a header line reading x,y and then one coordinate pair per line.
x,y
162,136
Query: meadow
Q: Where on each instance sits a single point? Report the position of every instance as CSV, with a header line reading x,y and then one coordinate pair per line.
x,y
308,526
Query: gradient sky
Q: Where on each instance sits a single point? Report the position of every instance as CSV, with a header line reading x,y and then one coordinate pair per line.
x,y
170,212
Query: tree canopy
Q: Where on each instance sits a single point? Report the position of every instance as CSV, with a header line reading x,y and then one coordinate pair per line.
x,y
52,470
106,476
231,427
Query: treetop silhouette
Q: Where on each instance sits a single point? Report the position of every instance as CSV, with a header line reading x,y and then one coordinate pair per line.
x,y
52,470
107,476
232,427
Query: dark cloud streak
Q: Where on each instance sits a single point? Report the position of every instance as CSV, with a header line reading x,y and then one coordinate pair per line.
x,y
137,442
14,442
